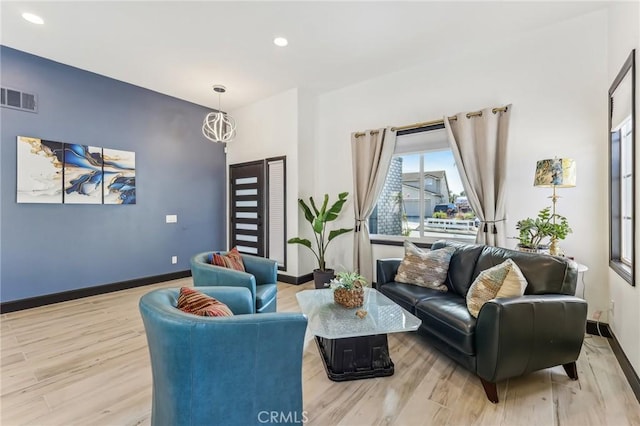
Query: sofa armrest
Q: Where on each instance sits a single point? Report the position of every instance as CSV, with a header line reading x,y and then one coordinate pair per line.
x,y
518,335
265,270
386,270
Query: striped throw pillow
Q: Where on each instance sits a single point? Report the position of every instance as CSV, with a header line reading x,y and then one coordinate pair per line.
x,y
193,302
231,260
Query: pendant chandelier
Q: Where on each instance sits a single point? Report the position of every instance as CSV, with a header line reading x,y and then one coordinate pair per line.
x,y
218,126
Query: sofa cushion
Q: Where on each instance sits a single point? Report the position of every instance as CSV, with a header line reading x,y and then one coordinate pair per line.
x,y
461,266
194,302
424,268
448,318
231,260
545,274
489,284
407,295
265,294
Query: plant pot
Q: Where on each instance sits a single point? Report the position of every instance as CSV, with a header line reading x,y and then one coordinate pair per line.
x,y
539,249
353,298
322,277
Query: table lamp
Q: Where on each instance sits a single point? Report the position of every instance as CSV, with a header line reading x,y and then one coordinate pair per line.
x,y
555,173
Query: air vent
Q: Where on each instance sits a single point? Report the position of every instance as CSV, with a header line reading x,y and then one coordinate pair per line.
x,y
17,99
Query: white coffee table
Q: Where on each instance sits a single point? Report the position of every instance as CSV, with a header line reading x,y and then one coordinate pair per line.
x,y
350,347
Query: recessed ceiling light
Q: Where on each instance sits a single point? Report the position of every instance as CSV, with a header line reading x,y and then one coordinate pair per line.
x,y
280,41
34,19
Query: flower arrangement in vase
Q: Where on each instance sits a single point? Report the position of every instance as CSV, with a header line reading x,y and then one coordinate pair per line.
x,y
348,289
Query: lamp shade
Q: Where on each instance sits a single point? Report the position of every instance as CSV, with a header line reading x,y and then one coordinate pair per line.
x,y
556,172
218,126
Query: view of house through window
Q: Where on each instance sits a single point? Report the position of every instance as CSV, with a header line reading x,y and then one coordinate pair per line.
x,y
423,197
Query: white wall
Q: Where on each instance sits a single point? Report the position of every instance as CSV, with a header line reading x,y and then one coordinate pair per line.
x,y
306,174
269,128
556,79
623,36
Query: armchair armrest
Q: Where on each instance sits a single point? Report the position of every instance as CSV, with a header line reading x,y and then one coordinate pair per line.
x,y
265,270
518,335
238,299
386,270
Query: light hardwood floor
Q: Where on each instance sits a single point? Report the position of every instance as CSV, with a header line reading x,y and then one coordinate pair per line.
x,y
85,362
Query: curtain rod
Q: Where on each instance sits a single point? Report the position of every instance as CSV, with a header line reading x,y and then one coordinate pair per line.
x,y
434,122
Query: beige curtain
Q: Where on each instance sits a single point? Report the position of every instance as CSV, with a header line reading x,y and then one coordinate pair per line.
x,y
371,155
479,144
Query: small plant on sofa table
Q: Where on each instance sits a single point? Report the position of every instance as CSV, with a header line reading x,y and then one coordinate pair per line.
x,y
532,232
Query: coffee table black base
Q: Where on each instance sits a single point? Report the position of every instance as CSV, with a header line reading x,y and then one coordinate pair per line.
x,y
354,358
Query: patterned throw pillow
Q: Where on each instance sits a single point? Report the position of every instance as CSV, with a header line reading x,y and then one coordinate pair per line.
x,y
514,283
503,280
424,268
231,260
193,302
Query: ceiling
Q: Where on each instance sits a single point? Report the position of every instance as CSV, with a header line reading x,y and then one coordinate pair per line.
x,y
182,48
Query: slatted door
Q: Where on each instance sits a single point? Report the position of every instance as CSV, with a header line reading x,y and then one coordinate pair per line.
x,y
276,210
247,207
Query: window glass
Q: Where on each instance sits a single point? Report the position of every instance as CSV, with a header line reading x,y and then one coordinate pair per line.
x,y
626,194
423,197
622,172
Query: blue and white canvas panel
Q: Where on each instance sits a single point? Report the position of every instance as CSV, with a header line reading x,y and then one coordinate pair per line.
x,y
39,171
82,174
119,168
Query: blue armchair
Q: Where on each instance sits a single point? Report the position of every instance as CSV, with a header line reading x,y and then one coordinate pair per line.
x,y
223,370
261,278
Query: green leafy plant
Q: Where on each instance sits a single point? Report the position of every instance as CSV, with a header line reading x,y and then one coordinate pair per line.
x,y
532,232
348,280
440,215
318,218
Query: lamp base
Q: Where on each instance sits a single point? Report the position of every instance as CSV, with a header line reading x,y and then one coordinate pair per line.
x,y
554,248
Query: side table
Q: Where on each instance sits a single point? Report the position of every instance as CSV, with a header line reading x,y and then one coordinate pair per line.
x,y
581,271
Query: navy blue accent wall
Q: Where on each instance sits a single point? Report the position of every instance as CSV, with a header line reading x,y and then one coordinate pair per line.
x,y
46,249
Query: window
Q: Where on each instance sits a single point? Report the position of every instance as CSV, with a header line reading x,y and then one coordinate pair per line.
x,y
626,191
622,172
423,197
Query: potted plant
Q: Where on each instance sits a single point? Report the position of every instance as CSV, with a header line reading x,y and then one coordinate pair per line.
x,y
348,289
533,232
318,219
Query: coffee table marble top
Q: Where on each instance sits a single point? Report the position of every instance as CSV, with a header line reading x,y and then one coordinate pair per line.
x,y
329,320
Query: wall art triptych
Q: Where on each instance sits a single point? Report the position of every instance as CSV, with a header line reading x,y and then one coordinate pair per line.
x,y
57,172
